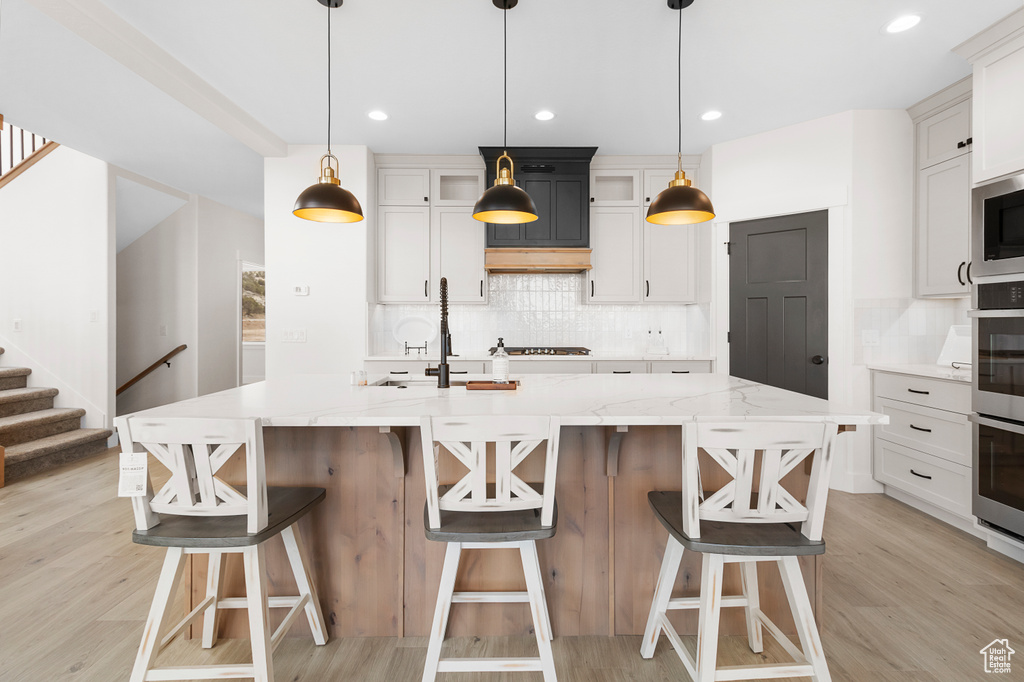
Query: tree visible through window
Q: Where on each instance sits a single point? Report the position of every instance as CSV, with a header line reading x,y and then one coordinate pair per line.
x,y
254,305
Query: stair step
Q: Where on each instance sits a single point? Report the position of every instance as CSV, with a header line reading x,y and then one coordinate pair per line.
x,y
14,377
53,451
22,428
23,400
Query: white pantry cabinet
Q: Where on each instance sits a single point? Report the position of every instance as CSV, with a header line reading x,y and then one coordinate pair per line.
x,y
943,193
426,231
617,258
457,254
997,56
403,248
655,181
614,188
669,263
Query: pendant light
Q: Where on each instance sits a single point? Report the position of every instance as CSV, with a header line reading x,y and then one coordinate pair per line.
x,y
327,201
504,203
681,203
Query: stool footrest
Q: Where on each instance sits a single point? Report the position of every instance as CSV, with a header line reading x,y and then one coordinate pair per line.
x,y
491,597
278,635
272,602
185,622
470,665
694,602
763,672
205,672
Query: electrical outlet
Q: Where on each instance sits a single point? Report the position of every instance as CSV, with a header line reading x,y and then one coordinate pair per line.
x,y
629,333
163,330
17,324
294,336
94,316
870,337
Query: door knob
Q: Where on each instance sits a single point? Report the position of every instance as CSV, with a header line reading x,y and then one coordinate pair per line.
x,y
818,360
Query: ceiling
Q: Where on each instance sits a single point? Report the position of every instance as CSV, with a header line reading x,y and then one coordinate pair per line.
x,y
194,93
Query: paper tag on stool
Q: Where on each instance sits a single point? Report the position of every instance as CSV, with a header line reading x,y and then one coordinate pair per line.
x,y
132,481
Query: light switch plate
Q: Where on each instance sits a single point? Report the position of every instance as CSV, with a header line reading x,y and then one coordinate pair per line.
x,y
302,290
870,337
294,336
17,324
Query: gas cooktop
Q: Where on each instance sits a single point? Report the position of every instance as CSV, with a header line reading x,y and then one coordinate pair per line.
x,y
542,350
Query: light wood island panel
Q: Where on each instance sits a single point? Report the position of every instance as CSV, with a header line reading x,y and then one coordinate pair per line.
x,y
377,574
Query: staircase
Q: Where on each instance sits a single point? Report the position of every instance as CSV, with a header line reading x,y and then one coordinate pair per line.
x,y
36,436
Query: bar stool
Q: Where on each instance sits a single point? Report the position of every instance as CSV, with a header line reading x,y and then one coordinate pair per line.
x,y
475,514
197,513
749,520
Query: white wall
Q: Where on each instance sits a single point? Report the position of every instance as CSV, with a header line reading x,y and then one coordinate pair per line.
x,y
184,275
858,165
332,259
226,237
56,270
157,287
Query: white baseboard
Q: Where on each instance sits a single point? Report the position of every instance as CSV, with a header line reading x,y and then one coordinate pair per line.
x,y
968,525
857,483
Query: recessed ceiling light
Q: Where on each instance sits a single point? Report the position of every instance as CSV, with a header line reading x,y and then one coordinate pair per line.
x,y
711,115
903,23
544,115
378,115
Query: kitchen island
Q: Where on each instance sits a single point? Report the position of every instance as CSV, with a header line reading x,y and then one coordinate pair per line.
x,y
377,574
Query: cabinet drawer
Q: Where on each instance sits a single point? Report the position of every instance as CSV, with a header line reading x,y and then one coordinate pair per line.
x,y
938,432
402,368
934,480
621,367
680,367
944,395
548,366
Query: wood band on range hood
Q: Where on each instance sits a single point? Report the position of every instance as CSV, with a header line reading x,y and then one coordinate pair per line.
x,y
522,261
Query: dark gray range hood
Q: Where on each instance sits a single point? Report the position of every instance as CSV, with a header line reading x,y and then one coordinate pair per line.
x,y
558,181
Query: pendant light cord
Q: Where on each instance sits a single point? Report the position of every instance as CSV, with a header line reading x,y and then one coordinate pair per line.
x,y
679,84
504,19
328,79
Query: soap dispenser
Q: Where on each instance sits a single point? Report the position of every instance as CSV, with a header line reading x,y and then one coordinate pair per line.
x,y
499,363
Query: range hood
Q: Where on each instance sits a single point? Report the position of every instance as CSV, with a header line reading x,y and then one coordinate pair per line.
x,y
536,260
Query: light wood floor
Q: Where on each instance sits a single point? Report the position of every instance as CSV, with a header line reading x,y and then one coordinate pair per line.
x,y
907,599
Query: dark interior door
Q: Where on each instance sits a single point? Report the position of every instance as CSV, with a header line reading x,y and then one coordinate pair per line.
x,y
778,302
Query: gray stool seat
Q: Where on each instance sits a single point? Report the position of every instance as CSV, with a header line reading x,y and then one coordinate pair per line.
x,y
499,526
285,506
738,539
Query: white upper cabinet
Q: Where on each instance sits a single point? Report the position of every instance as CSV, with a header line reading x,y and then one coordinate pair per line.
x,y
403,187
944,135
457,252
656,181
997,55
614,188
943,236
403,249
616,259
669,264
456,187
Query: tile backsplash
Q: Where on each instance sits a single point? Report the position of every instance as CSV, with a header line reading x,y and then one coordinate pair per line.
x,y
904,330
549,310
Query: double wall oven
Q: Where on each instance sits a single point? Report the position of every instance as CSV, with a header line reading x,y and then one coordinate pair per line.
x,y
998,329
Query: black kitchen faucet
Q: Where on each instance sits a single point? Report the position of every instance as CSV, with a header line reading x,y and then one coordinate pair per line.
x,y
442,371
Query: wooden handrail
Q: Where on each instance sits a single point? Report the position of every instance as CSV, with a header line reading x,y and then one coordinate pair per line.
x,y
29,161
138,377
20,150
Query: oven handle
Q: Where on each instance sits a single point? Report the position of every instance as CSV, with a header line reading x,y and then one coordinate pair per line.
x,y
1014,427
995,313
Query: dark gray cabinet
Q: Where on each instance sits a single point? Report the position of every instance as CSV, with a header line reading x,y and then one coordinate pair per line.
x,y
558,181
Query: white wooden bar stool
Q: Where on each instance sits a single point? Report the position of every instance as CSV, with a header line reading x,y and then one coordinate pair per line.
x,y
476,514
751,519
197,513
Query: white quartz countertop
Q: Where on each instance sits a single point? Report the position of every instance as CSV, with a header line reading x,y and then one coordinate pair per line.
x,y
485,356
578,399
929,371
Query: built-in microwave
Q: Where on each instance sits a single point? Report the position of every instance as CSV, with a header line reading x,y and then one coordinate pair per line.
x,y
997,227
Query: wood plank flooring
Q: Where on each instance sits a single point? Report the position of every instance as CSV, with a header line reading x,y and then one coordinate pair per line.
x,y
907,599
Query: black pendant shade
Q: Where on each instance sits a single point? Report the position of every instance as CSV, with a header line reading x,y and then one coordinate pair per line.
x,y
327,201
681,203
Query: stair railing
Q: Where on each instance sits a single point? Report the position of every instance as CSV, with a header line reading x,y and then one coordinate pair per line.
x,y
141,375
19,150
